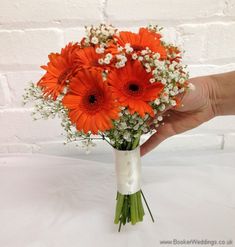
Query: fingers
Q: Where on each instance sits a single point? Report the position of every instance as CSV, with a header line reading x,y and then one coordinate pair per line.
x,y
162,114
164,131
179,98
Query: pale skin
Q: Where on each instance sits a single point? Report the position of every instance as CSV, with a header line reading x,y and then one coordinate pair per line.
x,y
214,95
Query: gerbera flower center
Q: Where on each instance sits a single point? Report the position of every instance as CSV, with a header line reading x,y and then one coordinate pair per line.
x,y
92,99
133,87
64,76
137,47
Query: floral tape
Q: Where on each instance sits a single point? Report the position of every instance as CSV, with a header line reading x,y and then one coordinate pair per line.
x,y
128,170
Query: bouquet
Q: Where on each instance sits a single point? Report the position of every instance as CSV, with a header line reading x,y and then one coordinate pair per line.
x,y
114,86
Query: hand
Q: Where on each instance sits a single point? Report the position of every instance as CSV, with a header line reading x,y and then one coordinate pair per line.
x,y
197,106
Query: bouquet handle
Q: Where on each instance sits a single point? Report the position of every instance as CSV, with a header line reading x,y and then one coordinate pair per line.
x,y
129,206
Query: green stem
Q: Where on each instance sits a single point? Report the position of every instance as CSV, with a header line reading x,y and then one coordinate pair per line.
x,y
129,146
136,140
147,205
133,212
120,225
140,207
119,206
129,208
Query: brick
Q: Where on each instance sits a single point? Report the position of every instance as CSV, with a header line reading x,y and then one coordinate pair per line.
x,y
193,42
229,9
29,47
73,34
220,39
18,148
229,141
208,43
151,10
180,143
19,126
201,70
44,11
3,148
218,125
18,81
4,92
172,35
72,149
208,69
201,142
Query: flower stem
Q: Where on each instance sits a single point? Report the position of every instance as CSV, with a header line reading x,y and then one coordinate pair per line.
x,y
147,205
129,209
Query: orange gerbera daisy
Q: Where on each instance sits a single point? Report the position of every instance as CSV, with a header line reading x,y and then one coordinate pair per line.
x,y
90,102
87,58
60,69
139,41
131,86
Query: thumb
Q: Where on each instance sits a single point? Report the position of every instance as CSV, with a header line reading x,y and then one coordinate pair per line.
x,y
163,132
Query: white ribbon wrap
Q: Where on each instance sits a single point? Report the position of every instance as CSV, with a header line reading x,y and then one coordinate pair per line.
x,y
128,170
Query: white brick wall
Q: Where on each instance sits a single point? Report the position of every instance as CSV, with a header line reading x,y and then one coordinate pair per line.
x,y
29,47
29,30
21,13
163,10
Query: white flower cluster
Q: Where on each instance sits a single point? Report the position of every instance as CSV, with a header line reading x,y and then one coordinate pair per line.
x,y
121,60
128,48
127,129
154,28
87,144
100,34
45,108
106,60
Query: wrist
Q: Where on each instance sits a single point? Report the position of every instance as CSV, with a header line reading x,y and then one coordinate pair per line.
x,y
222,93
214,94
